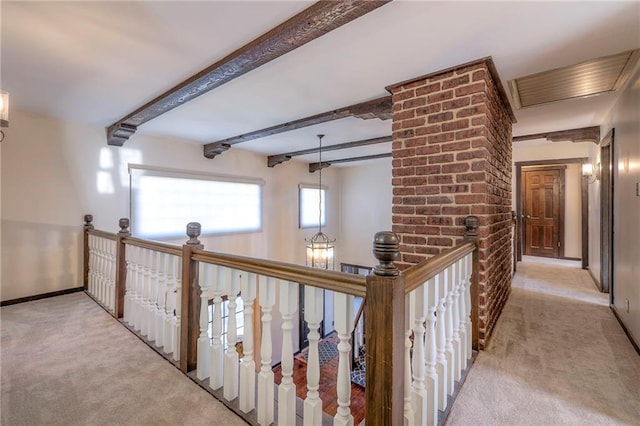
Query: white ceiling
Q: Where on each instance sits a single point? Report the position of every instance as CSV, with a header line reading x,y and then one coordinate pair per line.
x,y
94,62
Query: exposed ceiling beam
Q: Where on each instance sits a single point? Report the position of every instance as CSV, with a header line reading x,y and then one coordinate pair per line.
x,y
274,160
313,22
377,108
317,166
584,134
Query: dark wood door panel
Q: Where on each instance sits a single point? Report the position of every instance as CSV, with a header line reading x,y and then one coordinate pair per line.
x,y
542,202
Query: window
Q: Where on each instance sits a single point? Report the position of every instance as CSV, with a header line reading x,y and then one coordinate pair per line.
x,y
309,205
355,269
163,202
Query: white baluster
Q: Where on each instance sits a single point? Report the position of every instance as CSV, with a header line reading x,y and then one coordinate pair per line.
x,y
468,269
248,367
146,284
178,305
92,265
138,301
462,307
267,296
99,269
441,358
162,300
449,330
408,320
343,323
114,272
231,363
153,296
170,303
431,382
206,272
419,392
102,291
129,284
313,313
287,389
111,297
457,344
216,365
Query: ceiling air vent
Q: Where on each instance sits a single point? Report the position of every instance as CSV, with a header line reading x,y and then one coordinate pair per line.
x,y
588,78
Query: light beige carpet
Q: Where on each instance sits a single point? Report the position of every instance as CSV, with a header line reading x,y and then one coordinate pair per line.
x,y
65,361
557,357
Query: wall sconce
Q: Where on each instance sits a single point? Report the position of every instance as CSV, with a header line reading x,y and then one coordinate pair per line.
x,y
591,171
4,112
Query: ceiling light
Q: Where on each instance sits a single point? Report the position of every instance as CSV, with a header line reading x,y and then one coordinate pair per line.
x,y
320,247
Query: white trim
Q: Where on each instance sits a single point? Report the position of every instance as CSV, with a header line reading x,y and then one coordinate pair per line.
x,y
191,174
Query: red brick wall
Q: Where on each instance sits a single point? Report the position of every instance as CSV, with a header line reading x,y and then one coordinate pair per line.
x,y
452,158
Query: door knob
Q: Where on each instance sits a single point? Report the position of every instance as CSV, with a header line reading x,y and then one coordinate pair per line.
x,y
528,217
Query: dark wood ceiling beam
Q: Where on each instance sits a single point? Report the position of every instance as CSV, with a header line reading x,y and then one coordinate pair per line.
x,y
377,108
317,166
274,160
584,134
313,22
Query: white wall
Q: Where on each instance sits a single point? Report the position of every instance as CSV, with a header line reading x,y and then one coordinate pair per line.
x,y
625,118
53,172
366,209
543,150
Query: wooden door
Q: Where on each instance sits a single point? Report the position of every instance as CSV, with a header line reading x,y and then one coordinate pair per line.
x,y
543,211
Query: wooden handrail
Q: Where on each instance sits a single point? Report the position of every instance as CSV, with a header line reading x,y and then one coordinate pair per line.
x,y
102,234
167,248
416,275
341,282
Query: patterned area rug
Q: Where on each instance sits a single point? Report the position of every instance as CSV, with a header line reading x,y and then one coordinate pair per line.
x,y
327,349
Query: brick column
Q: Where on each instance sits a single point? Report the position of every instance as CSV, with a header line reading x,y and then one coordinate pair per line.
x,y
452,158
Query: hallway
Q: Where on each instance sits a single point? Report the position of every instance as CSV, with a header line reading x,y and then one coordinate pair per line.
x,y
557,356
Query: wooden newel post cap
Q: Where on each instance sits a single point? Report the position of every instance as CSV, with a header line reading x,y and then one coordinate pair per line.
x,y
386,250
471,224
193,232
124,226
88,218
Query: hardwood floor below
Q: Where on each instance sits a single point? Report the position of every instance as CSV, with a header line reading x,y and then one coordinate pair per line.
x,y
327,390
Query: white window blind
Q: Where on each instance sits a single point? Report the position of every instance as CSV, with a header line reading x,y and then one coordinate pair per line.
x,y
163,202
312,204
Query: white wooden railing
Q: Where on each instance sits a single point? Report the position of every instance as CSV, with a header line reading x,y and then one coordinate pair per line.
x,y
251,279
438,315
102,269
418,323
152,300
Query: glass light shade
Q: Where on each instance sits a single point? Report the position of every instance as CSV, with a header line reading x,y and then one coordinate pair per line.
x,y
587,169
320,251
4,109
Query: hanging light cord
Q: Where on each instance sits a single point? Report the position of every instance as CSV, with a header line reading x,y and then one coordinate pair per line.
x,y
320,189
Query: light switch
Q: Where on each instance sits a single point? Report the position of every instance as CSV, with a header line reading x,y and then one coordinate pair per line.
x,y
637,189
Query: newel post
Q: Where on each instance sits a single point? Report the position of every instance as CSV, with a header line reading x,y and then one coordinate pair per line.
x,y
190,324
384,331
121,266
88,219
471,234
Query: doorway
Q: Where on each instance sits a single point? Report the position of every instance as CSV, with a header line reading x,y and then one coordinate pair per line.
x,y
606,212
543,210
582,211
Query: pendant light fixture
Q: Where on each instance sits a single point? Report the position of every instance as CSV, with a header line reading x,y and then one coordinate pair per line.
x,y
320,247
